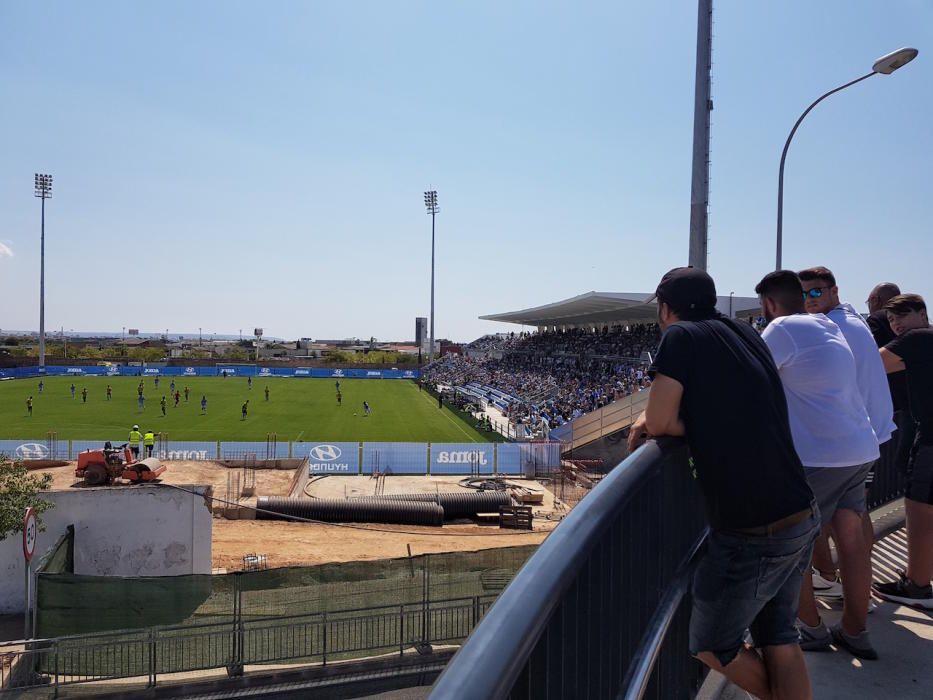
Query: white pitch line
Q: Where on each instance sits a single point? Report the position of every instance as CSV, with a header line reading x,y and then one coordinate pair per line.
x,y
459,427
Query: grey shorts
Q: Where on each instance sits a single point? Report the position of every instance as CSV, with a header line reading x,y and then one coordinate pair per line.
x,y
837,488
749,582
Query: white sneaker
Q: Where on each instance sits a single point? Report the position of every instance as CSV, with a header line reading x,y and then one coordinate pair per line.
x,y
824,588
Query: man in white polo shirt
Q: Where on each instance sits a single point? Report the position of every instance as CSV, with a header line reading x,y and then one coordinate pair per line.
x,y
834,440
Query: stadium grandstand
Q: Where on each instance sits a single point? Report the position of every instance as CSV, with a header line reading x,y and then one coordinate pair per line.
x,y
586,353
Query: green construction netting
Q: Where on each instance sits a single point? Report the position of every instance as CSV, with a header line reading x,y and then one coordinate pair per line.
x,y
60,557
127,627
70,604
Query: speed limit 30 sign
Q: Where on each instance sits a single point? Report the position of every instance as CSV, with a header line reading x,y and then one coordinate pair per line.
x,y
30,533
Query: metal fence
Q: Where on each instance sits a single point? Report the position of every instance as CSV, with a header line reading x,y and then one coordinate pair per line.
x,y
888,479
323,638
598,596
605,600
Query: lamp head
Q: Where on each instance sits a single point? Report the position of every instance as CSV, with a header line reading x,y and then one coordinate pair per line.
x,y
894,60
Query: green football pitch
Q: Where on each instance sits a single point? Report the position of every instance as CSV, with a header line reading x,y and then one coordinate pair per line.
x,y
297,409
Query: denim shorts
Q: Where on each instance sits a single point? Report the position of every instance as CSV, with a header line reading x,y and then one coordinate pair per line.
x,y
750,582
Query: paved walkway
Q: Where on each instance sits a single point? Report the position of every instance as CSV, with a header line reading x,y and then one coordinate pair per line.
x,y
903,637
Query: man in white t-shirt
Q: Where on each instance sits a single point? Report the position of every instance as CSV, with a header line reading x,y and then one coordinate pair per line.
x,y
834,439
822,297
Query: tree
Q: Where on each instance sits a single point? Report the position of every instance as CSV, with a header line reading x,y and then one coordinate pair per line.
x,y
18,491
337,357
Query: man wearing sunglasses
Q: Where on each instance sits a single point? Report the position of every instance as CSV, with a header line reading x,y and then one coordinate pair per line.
x,y
834,440
821,296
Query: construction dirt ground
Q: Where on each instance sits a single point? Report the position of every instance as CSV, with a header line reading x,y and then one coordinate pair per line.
x,y
296,543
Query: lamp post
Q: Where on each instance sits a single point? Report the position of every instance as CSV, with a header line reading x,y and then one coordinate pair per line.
x,y
731,297
430,202
884,66
43,191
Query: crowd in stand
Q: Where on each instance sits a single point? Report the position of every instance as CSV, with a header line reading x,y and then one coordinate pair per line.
x,y
554,376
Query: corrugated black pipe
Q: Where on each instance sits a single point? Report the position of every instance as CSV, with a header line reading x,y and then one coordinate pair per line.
x,y
339,510
455,504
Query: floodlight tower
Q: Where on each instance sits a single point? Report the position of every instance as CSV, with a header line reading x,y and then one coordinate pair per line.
x,y
43,192
430,202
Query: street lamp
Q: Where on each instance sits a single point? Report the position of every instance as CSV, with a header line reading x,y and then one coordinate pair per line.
x,y
430,202
731,297
883,66
43,192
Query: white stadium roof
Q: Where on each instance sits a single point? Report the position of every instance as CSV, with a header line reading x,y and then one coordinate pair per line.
x,y
608,308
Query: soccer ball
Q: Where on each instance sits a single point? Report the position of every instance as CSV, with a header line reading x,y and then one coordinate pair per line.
x,y
354,413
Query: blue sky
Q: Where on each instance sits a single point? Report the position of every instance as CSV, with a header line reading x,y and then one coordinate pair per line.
x,y
227,165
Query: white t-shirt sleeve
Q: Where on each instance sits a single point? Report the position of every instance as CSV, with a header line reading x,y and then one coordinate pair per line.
x,y
780,343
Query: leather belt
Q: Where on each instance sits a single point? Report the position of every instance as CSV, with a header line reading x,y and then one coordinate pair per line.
x,y
777,525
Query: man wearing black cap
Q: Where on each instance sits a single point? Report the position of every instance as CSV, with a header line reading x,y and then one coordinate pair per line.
x,y
715,383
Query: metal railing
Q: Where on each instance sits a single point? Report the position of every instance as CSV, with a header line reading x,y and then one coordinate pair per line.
x,y
601,609
888,481
604,421
598,611
322,637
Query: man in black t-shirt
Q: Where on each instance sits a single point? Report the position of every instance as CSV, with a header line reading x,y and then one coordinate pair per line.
x,y
897,382
716,384
911,352
877,316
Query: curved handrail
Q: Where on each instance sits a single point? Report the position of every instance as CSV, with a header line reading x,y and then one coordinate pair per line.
x,y
501,644
639,673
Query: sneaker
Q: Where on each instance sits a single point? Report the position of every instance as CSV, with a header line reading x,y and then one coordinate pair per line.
x,y
859,645
814,638
824,588
906,592
872,606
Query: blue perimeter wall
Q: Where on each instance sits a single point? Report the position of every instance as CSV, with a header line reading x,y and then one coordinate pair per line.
x,y
337,458
231,370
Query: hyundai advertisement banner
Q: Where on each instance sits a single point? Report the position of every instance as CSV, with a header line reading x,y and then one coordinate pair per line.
x,y
329,457
231,371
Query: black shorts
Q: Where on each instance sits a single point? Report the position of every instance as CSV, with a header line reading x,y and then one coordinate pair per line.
x,y
920,474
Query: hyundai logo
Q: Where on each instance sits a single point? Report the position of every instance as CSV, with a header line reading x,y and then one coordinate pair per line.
x,y
31,450
324,453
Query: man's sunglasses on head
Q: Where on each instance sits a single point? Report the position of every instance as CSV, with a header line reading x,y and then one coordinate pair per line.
x,y
814,293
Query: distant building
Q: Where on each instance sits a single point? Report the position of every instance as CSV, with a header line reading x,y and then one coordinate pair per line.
x,y
421,332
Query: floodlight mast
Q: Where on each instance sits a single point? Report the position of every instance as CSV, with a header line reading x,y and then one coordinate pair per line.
x,y
43,191
430,203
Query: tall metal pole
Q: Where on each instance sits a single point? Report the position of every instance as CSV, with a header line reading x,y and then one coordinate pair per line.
x,y
42,292
780,207
43,190
430,201
431,349
702,106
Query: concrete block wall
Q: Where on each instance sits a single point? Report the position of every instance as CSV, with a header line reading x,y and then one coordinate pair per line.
x,y
119,531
